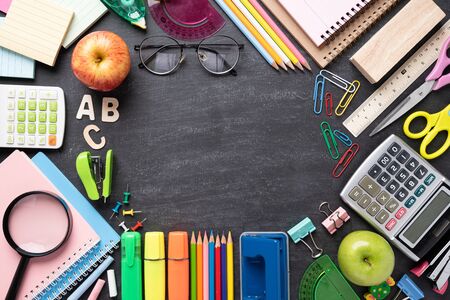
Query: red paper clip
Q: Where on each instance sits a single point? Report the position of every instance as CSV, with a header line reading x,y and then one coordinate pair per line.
x,y
329,104
345,160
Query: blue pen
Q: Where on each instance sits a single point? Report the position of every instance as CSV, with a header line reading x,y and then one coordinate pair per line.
x,y
211,256
247,33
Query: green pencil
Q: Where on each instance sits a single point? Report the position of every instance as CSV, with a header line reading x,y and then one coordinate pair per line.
x,y
193,261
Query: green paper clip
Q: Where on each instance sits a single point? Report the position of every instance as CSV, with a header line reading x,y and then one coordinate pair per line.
x,y
90,169
329,139
131,10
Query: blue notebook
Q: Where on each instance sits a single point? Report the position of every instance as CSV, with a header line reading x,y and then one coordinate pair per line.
x,y
109,238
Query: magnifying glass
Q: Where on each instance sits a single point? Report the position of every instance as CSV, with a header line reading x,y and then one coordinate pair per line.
x,y
35,224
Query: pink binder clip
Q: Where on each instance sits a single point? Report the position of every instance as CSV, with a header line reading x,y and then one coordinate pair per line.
x,y
335,219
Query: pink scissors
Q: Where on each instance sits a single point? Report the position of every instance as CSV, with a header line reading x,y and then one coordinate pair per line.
x,y
435,80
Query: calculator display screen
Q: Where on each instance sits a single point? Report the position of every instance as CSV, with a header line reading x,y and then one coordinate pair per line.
x,y
439,204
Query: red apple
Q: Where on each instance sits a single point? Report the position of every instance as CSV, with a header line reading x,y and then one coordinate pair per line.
x,y
101,60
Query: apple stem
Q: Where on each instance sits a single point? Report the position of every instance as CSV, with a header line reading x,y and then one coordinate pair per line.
x,y
367,261
97,60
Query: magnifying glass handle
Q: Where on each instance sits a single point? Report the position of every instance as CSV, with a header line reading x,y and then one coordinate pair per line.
x,y
15,284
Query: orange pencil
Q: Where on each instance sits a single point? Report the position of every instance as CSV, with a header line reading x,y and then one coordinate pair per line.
x,y
218,278
199,267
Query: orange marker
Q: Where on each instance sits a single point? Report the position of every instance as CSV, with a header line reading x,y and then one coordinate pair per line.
x,y
199,267
178,266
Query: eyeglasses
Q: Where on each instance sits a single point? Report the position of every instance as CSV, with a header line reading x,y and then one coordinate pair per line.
x,y
162,55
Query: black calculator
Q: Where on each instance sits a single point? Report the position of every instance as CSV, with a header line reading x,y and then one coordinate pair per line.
x,y
402,196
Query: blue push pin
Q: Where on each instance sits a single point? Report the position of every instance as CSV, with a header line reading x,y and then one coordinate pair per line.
x,y
409,288
116,209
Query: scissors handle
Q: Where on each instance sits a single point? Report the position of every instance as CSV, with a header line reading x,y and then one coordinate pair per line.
x,y
431,121
437,73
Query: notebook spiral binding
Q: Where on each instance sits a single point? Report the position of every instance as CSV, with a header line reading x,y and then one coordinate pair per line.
x,y
81,270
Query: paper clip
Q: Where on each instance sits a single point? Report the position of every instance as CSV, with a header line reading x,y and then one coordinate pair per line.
x,y
409,288
327,131
345,102
318,99
335,219
300,231
337,81
345,160
345,139
329,104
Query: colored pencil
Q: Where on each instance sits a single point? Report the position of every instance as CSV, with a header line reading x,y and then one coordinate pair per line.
x,y
261,30
205,268
255,33
193,265
230,268
199,267
247,34
218,270
223,265
280,33
211,266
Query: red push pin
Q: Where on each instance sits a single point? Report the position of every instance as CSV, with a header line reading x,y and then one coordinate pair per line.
x,y
138,225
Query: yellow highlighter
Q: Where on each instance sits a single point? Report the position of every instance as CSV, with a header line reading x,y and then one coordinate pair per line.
x,y
155,266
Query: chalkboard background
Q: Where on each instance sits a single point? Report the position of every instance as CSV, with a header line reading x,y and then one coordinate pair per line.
x,y
240,153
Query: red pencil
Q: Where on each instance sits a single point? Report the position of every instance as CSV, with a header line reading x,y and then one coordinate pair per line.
x,y
217,268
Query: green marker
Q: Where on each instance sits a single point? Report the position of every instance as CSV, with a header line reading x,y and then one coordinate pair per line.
x,y
131,266
131,10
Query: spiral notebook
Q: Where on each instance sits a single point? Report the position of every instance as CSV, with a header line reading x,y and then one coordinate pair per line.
x,y
321,19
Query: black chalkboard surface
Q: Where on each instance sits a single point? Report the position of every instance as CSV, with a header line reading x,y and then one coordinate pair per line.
x,y
243,153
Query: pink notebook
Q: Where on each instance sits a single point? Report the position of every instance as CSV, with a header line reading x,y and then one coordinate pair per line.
x,y
320,19
18,175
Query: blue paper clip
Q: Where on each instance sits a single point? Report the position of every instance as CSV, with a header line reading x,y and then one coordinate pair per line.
x,y
345,139
318,99
304,228
329,140
409,288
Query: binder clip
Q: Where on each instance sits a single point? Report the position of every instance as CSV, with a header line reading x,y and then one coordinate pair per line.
x,y
94,175
335,219
300,231
409,288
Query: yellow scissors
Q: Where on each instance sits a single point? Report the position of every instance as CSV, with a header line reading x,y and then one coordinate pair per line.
x,y
436,123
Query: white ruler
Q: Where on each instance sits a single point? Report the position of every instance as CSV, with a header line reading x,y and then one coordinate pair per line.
x,y
393,87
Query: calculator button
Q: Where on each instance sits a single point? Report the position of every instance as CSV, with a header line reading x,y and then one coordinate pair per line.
x,y
411,183
31,140
21,128
21,105
11,104
50,95
31,116
373,208
41,140
369,186
375,171
383,197
420,190
356,193
10,139
364,201
53,117
429,180
11,116
32,105
393,186
42,129
31,128
410,202
21,116
10,128
21,94
392,205
32,94
421,172
53,106
393,168
391,224
42,105
401,194
384,179
400,213
52,140
402,175
384,160
403,156
11,93
394,149
382,216
412,164
20,139
52,128
42,117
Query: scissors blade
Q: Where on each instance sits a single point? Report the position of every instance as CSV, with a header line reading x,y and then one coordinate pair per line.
x,y
409,102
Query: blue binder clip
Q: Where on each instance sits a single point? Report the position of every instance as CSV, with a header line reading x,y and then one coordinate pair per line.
x,y
318,99
302,230
409,288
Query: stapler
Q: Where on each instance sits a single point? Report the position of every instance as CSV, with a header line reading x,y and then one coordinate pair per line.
x,y
95,175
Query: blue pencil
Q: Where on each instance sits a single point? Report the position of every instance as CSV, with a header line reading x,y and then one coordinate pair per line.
x,y
223,263
211,266
247,34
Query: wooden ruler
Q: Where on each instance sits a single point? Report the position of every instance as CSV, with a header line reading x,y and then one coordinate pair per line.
x,y
395,85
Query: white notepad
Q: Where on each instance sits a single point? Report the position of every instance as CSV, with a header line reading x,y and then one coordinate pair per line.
x,y
87,12
35,29
15,65
320,19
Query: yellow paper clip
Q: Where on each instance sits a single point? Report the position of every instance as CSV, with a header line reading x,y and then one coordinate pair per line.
x,y
347,98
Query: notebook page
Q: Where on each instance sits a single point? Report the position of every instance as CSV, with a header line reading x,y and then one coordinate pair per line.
x,y
86,13
35,29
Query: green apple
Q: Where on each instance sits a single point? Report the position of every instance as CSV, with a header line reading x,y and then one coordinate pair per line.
x,y
365,258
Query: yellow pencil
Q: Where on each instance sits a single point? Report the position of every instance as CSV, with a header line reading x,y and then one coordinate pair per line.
x,y
230,268
255,33
272,33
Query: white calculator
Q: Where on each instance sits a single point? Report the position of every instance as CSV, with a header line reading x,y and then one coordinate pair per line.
x,y
31,116
402,196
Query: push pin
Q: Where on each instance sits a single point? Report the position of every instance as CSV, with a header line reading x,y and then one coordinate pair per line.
x,y
409,288
116,209
130,212
138,225
124,227
126,196
335,219
300,231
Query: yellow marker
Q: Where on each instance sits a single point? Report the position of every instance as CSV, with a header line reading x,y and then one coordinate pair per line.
x,y
154,266
272,33
230,268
